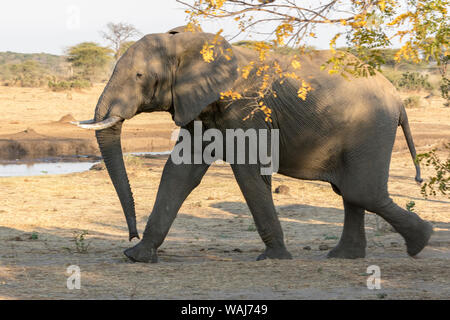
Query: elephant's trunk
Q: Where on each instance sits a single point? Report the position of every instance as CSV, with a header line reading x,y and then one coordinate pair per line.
x,y
111,150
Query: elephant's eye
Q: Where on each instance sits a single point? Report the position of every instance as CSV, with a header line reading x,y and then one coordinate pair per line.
x,y
139,75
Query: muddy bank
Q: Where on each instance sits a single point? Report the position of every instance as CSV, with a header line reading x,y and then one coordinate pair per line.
x,y
30,144
64,139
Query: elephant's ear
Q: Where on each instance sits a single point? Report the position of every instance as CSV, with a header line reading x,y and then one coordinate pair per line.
x,y
197,82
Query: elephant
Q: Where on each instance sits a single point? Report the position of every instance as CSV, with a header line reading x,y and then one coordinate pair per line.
x,y
342,133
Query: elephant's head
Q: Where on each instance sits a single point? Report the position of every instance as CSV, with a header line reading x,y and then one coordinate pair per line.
x,y
160,72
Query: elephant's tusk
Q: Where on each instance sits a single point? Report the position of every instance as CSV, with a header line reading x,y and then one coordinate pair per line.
x,y
82,122
91,125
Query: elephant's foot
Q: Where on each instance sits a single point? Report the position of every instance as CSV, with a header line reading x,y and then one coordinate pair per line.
x,y
347,251
417,240
271,253
140,253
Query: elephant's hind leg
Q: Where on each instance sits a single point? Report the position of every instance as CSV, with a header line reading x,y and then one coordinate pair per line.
x,y
352,244
411,227
258,195
374,197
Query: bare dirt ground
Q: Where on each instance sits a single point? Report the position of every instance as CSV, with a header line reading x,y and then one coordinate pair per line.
x,y
211,248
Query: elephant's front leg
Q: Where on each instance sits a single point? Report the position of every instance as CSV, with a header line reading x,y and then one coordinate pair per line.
x,y
177,182
258,195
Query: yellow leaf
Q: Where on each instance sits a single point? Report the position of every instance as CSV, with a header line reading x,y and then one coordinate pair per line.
x,y
303,91
296,64
207,53
246,70
230,94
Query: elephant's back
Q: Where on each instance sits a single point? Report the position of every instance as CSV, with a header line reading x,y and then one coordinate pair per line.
x,y
352,96
327,86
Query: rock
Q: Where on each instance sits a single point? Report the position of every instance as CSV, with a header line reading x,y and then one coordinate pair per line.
x,y
394,244
323,247
98,166
237,250
282,189
307,248
30,131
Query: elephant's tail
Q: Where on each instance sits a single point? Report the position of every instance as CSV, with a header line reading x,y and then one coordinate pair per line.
x,y
403,121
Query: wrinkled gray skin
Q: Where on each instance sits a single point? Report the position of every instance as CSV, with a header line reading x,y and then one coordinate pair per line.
x,y
343,133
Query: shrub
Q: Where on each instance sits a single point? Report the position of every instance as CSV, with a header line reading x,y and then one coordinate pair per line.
x,y
413,81
444,86
62,85
29,73
440,181
58,85
412,102
80,84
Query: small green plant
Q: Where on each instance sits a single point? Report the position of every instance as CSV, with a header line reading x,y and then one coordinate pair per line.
x,y
80,241
34,236
410,206
251,227
330,237
441,181
381,295
412,102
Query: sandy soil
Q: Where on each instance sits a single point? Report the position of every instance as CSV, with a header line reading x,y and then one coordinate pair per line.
x,y
211,248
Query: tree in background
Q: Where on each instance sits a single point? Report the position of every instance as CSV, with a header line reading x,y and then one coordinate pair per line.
x,y
421,26
119,35
88,58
